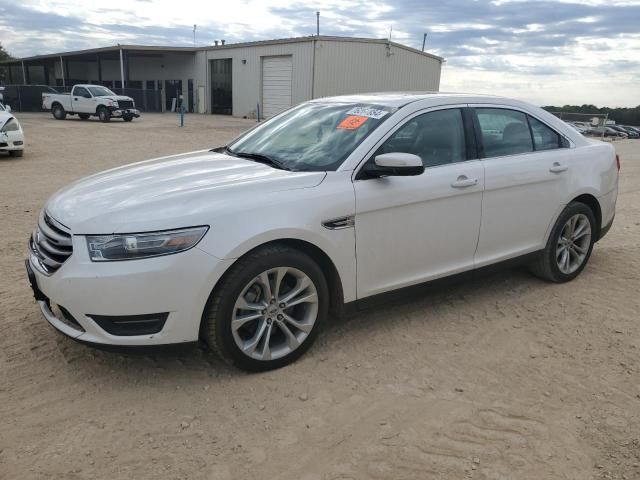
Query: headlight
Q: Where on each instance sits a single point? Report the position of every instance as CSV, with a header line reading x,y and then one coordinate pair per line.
x,y
11,125
104,248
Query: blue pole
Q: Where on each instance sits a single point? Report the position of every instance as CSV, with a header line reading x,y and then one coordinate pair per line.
x,y
181,116
258,111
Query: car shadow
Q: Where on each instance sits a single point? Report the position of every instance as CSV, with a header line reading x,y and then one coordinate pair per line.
x,y
173,362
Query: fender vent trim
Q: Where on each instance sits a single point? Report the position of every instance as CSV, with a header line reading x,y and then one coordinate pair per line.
x,y
339,223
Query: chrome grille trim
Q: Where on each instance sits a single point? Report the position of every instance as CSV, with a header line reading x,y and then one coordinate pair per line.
x,y
50,244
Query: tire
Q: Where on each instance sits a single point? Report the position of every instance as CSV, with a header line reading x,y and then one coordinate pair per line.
x,y
84,116
16,153
104,114
127,118
243,283
566,241
58,112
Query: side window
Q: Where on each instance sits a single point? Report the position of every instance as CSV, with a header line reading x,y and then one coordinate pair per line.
x,y
504,132
544,138
436,137
80,92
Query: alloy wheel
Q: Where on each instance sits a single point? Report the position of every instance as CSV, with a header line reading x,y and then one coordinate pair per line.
x,y
573,243
274,313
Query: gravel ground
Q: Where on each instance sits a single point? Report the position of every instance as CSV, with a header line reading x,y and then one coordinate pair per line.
x,y
504,377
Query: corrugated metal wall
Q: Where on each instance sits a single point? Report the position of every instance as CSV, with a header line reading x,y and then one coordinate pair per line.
x,y
344,67
247,77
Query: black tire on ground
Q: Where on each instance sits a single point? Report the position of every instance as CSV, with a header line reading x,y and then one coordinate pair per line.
x,y
16,153
58,112
216,319
84,116
104,114
127,118
546,266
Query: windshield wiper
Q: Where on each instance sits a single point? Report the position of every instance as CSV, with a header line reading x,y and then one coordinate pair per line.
x,y
258,157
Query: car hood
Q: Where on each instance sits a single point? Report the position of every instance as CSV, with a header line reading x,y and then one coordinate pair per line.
x,y
115,98
170,192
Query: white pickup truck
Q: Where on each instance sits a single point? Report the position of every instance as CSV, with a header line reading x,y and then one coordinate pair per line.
x,y
88,100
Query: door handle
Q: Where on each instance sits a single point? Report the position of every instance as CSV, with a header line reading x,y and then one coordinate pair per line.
x,y
557,168
76,99
464,182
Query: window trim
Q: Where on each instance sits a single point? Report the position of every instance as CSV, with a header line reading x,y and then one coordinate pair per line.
x,y
527,114
469,137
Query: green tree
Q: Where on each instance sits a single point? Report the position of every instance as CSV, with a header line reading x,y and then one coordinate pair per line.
x,y
624,116
4,55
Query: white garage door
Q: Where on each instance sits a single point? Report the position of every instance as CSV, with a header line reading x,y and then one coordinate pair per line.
x,y
276,85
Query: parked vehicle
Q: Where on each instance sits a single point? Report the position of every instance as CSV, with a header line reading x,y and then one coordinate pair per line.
x,y
631,132
252,245
635,129
90,100
607,131
11,134
579,128
620,130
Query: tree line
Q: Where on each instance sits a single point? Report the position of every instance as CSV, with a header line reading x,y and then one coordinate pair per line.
x,y
623,116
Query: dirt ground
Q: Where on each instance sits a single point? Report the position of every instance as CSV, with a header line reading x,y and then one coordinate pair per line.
x,y
505,377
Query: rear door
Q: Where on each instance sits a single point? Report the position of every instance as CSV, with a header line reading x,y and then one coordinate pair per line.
x,y
527,166
413,229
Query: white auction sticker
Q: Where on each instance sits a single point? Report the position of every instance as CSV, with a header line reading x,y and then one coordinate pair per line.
x,y
367,112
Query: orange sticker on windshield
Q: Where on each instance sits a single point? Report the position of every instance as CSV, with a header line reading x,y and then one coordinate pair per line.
x,y
352,122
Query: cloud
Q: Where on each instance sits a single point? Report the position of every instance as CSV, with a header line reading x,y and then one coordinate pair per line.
x,y
539,44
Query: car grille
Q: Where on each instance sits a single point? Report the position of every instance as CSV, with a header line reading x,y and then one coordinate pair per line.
x,y
125,103
50,244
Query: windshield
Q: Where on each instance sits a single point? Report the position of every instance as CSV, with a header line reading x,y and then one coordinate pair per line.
x,y
312,136
100,91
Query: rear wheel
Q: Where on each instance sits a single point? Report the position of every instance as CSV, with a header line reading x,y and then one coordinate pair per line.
x,y
84,116
267,310
58,112
569,246
104,114
16,153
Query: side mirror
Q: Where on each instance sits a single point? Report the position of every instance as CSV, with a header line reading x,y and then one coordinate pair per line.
x,y
7,108
395,164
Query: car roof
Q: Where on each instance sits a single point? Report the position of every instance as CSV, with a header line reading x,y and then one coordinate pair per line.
x,y
400,99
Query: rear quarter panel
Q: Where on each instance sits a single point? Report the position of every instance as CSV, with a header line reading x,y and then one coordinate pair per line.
x,y
593,171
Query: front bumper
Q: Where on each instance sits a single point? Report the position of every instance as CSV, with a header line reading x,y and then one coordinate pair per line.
x,y
88,292
125,112
11,141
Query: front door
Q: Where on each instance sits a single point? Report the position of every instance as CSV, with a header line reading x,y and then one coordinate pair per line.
x,y
82,100
413,229
526,173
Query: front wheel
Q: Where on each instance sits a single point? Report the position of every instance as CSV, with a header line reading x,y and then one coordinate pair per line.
x,y
127,118
569,246
104,114
58,112
267,310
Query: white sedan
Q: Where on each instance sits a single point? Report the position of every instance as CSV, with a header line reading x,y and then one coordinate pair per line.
x,y
251,246
11,134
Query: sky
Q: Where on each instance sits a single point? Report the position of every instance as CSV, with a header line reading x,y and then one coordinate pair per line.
x,y
543,51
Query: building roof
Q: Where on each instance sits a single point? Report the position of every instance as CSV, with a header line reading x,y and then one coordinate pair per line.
x,y
319,38
165,49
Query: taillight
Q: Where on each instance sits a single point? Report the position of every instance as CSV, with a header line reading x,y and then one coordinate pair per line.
x,y
618,161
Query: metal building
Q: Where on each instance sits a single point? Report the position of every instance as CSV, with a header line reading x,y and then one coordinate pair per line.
x,y
242,79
